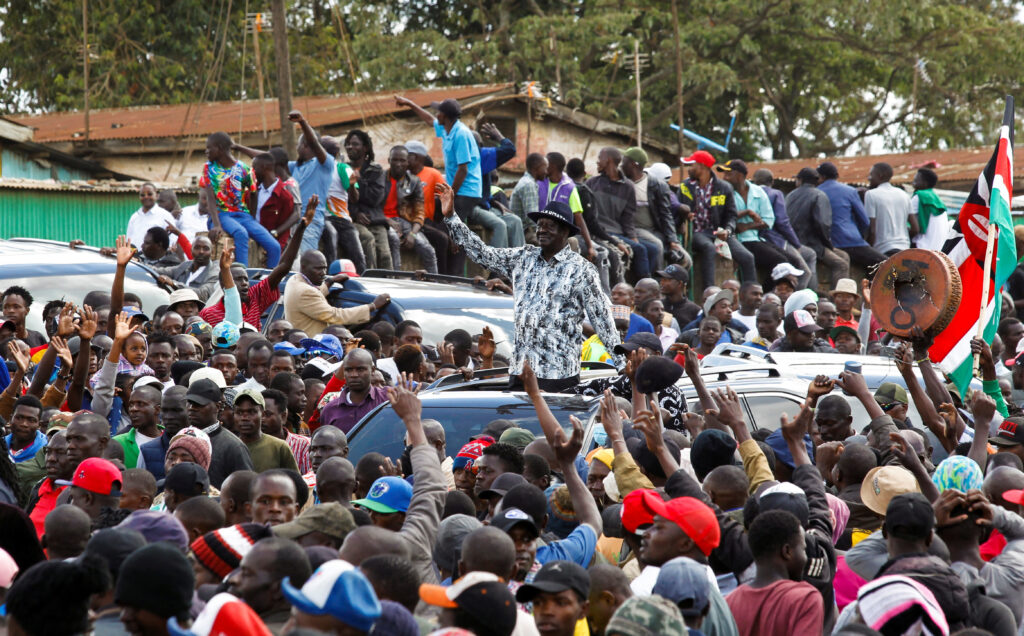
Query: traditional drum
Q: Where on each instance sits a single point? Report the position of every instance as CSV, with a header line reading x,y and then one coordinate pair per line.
x,y
915,288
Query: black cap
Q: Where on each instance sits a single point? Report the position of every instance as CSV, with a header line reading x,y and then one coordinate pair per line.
x,y
558,211
512,517
450,107
183,478
711,448
555,577
675,272
910,517
641,339
502,484
807,175
492,604
733,165
657,373
1011,433
203,392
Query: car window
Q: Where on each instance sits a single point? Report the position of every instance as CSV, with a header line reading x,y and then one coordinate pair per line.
x,y
435,323
767,408
74,287
384,432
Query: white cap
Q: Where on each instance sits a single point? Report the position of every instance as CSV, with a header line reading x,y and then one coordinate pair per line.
x,y
783,270
209,373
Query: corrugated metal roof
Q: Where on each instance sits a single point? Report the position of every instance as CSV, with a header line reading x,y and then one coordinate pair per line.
x,y
95,185
148,122
959,165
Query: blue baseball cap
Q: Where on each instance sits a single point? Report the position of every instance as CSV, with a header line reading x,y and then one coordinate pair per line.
x,y
225,335
284,345
132,311
387,495
336,589
778,444
324,343
684,582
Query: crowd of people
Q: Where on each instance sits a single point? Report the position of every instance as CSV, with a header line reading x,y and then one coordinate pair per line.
x,y
185,469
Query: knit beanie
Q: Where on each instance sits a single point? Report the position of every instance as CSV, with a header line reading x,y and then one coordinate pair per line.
x,y
471,452
196,442
157,578
221,551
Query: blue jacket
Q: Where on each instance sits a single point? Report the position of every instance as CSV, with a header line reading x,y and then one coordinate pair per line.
x,y
490,159
153,453
781,232
638,323
849,220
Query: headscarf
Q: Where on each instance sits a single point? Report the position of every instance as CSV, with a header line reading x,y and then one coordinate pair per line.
x,y
841,515
603,455
958,472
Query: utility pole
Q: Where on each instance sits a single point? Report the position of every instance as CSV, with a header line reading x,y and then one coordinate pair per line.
x,y
284,76
636,67
85,63
679,74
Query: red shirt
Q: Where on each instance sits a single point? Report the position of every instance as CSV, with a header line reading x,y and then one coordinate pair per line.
x,y
277,209
391,202
261,296
430,177
48,493
784,607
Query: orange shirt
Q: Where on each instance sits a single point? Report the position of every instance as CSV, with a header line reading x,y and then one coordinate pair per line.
x,y
430,178
391,202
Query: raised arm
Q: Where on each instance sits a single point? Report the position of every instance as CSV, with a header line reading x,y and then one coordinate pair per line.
x,y
984,408
13,390
124,254
252,153
566,449
80,373
929,415
309,136
854,384
648,422
65,329
232,301
496,259
987,366
691,365
294,243
414,107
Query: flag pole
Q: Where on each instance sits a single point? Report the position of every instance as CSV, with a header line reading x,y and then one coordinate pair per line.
x,y
985,286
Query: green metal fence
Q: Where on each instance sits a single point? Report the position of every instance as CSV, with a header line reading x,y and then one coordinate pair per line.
x,y
95,217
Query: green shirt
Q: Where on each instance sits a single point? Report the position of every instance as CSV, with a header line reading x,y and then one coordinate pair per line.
x,y
270,452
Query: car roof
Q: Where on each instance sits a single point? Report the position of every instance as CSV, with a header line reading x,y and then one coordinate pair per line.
x,y
492,398
416,294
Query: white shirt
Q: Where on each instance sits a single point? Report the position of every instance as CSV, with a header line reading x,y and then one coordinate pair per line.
x,y
387,365
141,439
938,229
890,207
263,195
749,321
191,222
141,221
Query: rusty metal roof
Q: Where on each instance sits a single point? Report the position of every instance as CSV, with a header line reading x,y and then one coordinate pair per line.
x,y
149,122
953,166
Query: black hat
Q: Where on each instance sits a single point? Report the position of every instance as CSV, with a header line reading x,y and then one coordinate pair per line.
x,y
675,272
492,604
502,484
1011,433
157,578
450,107
183,478
512,517
711,449
203,392
640,340
558,211
115,545
555,577
807,175
733,165
657,373
910,517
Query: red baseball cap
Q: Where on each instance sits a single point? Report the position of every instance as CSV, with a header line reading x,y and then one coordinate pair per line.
x,y
96,475
1014,496
693,516
701,156
634,512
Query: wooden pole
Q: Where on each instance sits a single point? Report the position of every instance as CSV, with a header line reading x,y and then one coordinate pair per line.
x,y
636,73
284,76
85,63
985,286
256,28
679,75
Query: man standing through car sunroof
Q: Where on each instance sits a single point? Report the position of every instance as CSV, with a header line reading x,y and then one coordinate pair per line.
x,y
555,290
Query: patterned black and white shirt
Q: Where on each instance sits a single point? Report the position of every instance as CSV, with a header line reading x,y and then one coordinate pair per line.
x,y
671,399
552,299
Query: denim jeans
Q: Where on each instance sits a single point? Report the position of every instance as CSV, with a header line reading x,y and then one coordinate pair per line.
x,y
704,249
242,226
348,245
471,214
422,247
311,239
641,257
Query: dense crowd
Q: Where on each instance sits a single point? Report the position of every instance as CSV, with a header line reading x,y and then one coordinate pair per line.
x,y
185,469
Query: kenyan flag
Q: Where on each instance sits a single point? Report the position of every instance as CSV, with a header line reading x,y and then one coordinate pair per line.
x,y
988,203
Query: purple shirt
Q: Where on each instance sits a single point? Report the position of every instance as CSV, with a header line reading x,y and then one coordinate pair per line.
x,y
343,414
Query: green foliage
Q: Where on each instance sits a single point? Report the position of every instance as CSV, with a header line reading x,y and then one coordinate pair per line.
x,y
805,79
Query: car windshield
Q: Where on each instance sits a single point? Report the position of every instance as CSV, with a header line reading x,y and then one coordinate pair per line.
x,y
74,287
384,432
435,323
